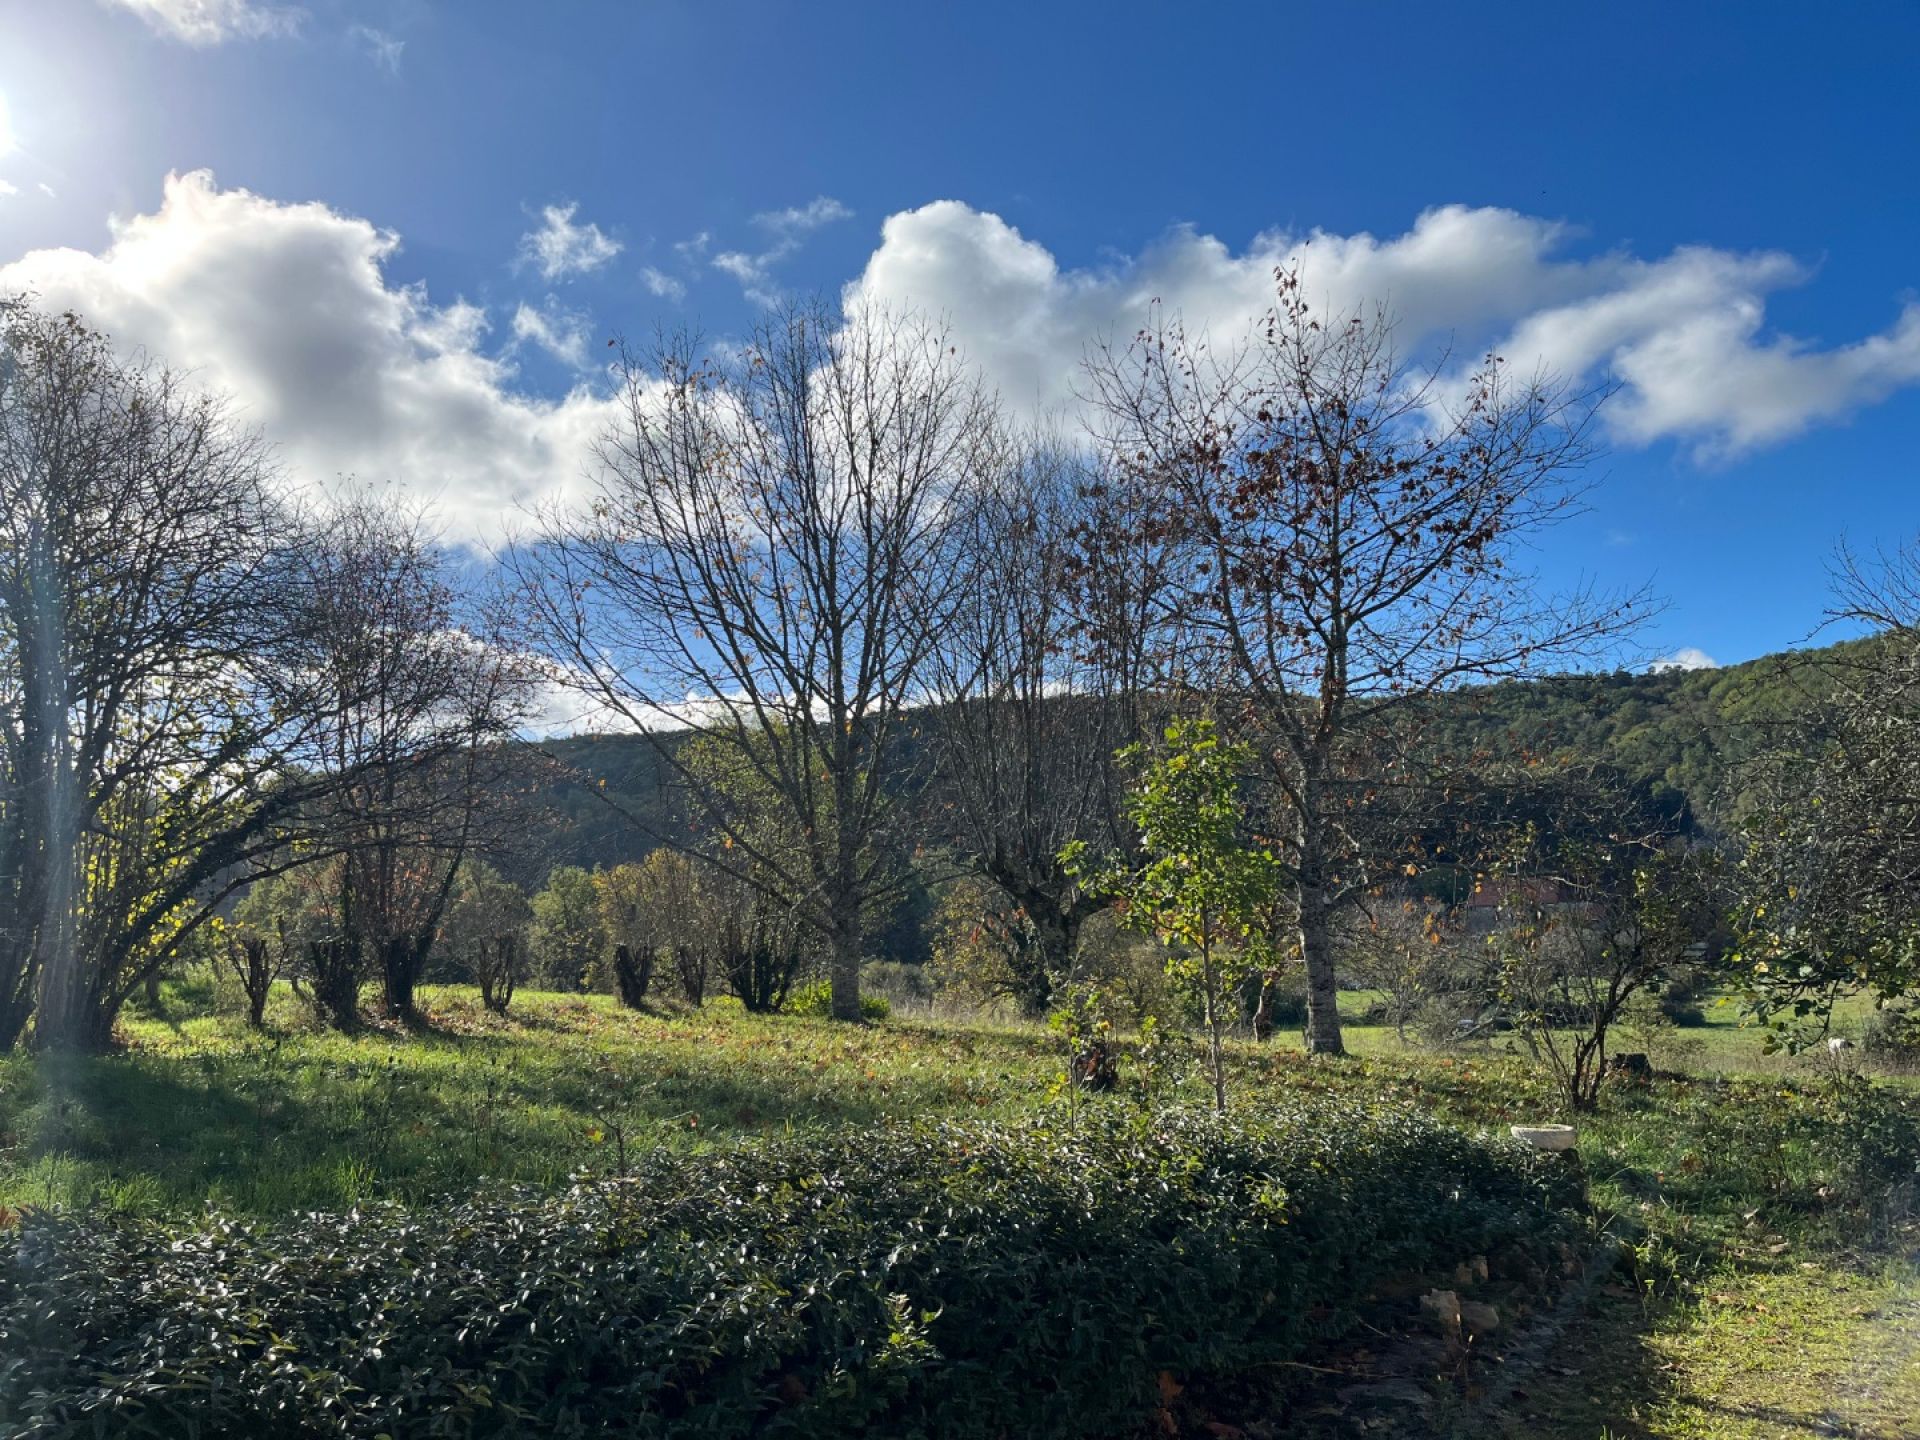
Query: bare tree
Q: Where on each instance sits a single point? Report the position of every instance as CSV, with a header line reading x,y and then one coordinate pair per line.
x,y
1023,722
1405,947
150,738
250,955
412,700
765,563
1336,536
1601,894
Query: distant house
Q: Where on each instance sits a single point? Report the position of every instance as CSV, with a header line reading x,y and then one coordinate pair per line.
x,y
1482,910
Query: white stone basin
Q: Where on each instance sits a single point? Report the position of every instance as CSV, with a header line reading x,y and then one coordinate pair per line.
x,y
1546,1137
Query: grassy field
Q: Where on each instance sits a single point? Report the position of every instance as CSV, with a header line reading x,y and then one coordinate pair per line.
x,y
1768,1290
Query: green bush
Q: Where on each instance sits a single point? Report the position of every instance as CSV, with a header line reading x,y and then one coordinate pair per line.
x,y
1892,1034
954,1280
897,983
816,999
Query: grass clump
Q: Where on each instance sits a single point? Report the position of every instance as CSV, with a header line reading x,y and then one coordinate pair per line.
x,y
958,1278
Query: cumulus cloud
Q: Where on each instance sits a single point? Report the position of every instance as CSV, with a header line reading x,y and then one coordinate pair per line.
x,y
561,332
560,249
7,189
1687,657
208,22
383,49
286,307
1684,334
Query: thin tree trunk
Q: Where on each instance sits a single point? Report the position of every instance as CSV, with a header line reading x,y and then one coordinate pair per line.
x,y
1210,980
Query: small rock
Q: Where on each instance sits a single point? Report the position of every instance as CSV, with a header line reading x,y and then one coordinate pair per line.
x,y
1444,1306
1479,1317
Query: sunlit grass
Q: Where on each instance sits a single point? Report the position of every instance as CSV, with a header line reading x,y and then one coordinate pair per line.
x,y
198,1111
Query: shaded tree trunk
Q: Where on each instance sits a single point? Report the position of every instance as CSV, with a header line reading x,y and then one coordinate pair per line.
x,y
336,982
1323,991
252,961
632,974
71,1015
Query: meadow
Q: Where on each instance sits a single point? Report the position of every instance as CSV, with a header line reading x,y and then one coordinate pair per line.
x,y
1759,1206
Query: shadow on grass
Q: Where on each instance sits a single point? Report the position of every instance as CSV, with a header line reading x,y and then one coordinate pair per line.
x,y
279,1123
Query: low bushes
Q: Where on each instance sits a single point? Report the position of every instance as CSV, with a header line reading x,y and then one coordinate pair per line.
x,y
936,1280
816,1000
1891,1035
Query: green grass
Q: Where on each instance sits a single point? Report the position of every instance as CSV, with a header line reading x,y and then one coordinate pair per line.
x,y
1749,1179
199,1112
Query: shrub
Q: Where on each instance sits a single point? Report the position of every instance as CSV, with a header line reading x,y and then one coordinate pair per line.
x,y
816,1000
964,1280
905,985
1891,1034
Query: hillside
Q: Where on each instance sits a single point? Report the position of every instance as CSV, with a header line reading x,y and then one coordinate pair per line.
x,y
608,796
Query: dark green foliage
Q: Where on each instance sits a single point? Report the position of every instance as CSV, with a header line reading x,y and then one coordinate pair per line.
x,y
956,1280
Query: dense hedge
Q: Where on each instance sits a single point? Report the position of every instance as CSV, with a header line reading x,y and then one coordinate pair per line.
x,y
937,1280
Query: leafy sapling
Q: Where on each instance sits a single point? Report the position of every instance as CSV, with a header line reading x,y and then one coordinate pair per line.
x,y
1205,885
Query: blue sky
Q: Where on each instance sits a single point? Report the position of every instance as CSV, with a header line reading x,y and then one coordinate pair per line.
x,y
1718,202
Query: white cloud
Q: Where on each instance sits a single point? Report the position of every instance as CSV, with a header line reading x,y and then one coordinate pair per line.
x,y
383,49
208,22
799,219
287,309
1687,657
788,230
561,332
658,282
561,249
46,190
1684,334
7,189
751,271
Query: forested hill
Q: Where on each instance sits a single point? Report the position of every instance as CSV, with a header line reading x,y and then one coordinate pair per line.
x,y
1689,729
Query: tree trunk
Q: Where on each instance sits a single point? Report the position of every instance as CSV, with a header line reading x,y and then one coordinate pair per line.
x,y
843,965
632,974
1323,991
336,982
70,1016
1210,981
399,970
1040,967
1263,1009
